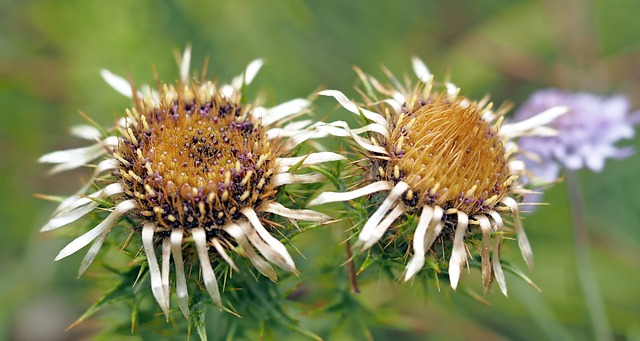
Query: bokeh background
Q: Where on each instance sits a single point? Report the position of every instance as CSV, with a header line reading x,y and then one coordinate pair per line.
x,y
51,52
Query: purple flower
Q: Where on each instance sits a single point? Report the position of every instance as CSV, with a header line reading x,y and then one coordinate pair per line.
x,y
586,134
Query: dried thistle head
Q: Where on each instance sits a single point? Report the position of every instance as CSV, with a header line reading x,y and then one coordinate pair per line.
x,y
198,170
195,160
447,154
443,157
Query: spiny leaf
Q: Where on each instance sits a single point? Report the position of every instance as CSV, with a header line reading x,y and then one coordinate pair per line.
x,y
474,295
121,291
517,272
198,322
94,123
54,198
329,174
299,164
135,313
368,261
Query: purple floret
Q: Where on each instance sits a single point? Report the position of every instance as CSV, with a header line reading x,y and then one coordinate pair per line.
x,y
586,136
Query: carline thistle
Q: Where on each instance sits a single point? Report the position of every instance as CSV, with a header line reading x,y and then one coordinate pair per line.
x,y
198,169
442,157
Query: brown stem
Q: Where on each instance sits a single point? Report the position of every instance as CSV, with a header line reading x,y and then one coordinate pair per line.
x,y
352,269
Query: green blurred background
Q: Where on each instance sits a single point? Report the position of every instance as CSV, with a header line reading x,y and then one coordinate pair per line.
x,y
51,51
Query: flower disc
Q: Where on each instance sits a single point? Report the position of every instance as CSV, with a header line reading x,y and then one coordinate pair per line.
x,y
195,160
448,154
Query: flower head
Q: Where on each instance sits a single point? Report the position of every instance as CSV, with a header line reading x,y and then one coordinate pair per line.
x,y
440,156
198,168
586,136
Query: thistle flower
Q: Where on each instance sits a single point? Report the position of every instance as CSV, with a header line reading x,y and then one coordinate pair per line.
x,y
198,169
586,137
440,156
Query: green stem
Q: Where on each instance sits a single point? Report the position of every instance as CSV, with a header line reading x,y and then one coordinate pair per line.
x,y
595,304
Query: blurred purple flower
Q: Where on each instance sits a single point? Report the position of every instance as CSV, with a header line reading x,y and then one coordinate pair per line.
x,y
586,136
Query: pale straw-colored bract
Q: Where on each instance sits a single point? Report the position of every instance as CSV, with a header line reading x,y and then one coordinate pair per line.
x,y
134,185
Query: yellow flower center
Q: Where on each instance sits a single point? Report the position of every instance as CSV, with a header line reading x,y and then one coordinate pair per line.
x,y
195,160
449,155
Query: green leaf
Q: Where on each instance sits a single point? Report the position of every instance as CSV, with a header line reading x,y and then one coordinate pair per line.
x,y
197,321
334,180
121,291
517,272
368,261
